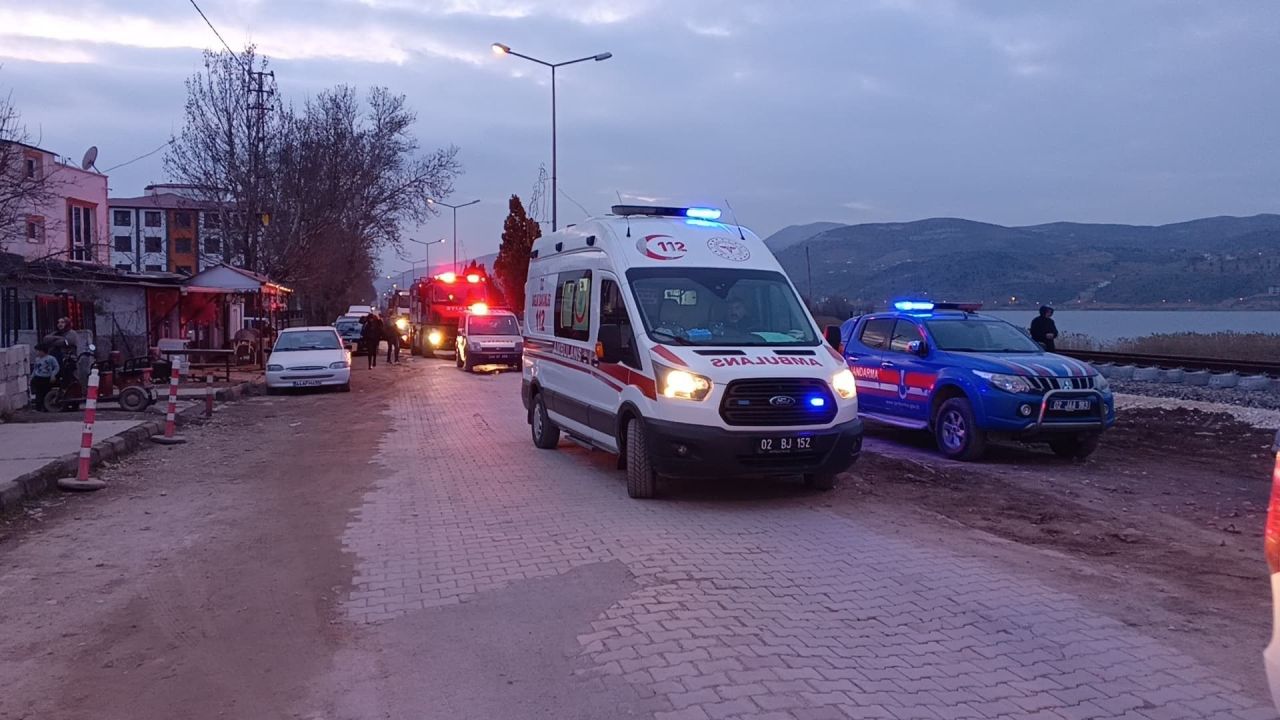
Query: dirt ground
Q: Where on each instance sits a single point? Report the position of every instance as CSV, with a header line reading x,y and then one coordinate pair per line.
x,y
1162,527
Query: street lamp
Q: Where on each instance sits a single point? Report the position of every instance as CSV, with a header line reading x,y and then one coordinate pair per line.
x,y
427,245
501,49
455,225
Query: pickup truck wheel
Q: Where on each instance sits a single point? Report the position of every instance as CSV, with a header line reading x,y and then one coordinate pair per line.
x,y
956,432
1075,447
821,481
642,481
545,433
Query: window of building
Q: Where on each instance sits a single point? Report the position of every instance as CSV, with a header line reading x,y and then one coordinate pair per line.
x,y
154,268
122,243
212,220
122,218
183,219
184,269
35,229
124,267
26,314
80,232
213,245
573,305
33,166
152,245
153,218
182,246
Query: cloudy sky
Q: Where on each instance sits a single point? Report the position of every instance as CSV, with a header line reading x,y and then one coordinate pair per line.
x,y
1008,111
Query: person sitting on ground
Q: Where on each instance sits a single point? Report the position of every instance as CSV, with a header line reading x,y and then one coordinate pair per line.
x,y
43,371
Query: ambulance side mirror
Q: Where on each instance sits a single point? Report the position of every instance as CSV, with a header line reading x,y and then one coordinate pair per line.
x,y
610,339
832,333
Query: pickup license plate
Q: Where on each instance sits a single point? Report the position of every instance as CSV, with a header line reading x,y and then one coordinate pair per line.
x,y
1071,405
305,383
784,445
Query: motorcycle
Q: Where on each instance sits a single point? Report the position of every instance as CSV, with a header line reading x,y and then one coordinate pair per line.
x,y
127,383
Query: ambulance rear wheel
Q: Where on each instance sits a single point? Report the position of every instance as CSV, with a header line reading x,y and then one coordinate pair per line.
x,y
642,481
956,431
545,433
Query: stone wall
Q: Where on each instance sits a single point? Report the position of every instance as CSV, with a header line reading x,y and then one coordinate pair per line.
x,y
15,374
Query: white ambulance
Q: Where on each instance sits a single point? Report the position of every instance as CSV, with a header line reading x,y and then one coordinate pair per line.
x,y
677,342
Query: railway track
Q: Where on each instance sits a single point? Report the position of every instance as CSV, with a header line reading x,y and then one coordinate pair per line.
x,y
1172,362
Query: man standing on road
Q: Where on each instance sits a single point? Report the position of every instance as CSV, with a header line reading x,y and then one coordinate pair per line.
x,y
1043,329
370,336
393,342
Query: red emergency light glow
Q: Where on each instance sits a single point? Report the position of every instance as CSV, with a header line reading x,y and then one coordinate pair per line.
x,y
473,278
447,277
480,309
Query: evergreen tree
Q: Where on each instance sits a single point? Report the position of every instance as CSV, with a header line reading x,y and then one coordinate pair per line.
x,y
512,266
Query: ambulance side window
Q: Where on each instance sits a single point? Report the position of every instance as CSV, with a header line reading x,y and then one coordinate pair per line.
x,y
613,311
573,305
875,334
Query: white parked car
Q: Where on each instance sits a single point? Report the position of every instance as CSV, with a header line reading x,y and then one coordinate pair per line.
x,y
309,357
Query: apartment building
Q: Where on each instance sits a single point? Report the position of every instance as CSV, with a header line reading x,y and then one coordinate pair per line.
x,y
65,220
165,231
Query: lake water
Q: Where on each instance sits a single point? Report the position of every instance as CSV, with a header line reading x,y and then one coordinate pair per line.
x,y
1108,325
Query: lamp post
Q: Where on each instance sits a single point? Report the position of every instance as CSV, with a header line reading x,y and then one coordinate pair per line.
x,y
455,225
501,49
427,246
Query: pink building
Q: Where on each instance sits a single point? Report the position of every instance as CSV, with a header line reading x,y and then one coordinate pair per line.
x,y
71,222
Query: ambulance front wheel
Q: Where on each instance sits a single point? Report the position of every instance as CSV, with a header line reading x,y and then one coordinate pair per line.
x,y
642,479
545,434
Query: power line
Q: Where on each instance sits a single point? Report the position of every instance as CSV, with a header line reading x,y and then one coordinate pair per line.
x,y
140,157
215,31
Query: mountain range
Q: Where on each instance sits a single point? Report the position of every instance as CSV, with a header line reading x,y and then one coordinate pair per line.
x,y
1209,262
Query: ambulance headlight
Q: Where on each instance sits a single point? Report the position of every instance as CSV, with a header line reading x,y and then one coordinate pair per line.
x,y
434,337
1008,383
844,384
683,384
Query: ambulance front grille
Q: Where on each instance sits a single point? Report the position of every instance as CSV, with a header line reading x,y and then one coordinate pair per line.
x,y
778,402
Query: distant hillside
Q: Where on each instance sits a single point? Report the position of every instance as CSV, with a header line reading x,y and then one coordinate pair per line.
x,y
792,234
1207,262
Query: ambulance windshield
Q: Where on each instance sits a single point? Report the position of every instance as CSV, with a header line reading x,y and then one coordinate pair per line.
x,y
720,306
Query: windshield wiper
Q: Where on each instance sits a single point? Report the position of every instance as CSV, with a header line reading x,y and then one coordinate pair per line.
x,y
674,338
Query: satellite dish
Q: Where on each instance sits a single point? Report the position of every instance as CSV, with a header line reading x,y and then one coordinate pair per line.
x,y
90,157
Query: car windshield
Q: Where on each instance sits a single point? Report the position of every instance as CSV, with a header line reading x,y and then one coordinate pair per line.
x,y
348,326
987,336
720,306
493,325
307,340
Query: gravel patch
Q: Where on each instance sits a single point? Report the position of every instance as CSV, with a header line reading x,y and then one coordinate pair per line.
x,y
1259,417
1264,399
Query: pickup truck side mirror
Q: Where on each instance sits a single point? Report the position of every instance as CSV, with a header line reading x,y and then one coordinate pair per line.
x,y
918,347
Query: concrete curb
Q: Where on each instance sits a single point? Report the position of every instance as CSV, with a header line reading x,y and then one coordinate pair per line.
x,y
43,480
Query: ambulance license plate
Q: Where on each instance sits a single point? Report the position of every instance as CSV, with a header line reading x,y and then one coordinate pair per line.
x,y
784,445
305,383
1071,405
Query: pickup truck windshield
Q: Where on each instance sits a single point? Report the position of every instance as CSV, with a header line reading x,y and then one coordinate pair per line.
x,y
720,306
985,336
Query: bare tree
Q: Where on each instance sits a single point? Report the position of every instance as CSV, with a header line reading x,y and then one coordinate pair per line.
x,y
23,190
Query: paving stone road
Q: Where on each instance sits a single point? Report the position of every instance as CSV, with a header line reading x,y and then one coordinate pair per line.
x,y
750,602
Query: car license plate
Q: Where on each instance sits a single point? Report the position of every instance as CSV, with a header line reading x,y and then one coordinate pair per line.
x,y
784,445
305,383
1071,405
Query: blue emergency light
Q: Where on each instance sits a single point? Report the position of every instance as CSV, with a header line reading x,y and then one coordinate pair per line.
x,y
700,213
913,306
693,213
817,401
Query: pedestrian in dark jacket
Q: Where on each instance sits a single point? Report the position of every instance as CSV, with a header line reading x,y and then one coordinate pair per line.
x,y
370,336
1043,329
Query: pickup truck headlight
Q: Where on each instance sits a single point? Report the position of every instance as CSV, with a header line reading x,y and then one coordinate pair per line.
x,y
275,368
844,384
683,384
1008,383
1101,384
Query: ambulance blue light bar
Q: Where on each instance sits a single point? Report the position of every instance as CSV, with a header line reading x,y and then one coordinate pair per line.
x,y
696,213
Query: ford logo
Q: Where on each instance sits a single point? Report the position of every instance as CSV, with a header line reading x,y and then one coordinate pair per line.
x,y
782,401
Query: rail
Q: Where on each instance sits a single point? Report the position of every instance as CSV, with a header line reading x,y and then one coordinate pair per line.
x,y
226,358
1169,362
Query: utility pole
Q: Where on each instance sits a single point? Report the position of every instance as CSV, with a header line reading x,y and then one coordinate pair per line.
x,y
258,96
809,270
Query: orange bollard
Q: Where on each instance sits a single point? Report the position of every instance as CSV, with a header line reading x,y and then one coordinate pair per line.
x,y
171,416
82,481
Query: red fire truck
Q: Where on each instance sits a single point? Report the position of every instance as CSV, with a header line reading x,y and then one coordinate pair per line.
x,y
437,303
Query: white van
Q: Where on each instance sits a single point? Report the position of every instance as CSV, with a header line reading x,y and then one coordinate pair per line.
x,y
677,342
